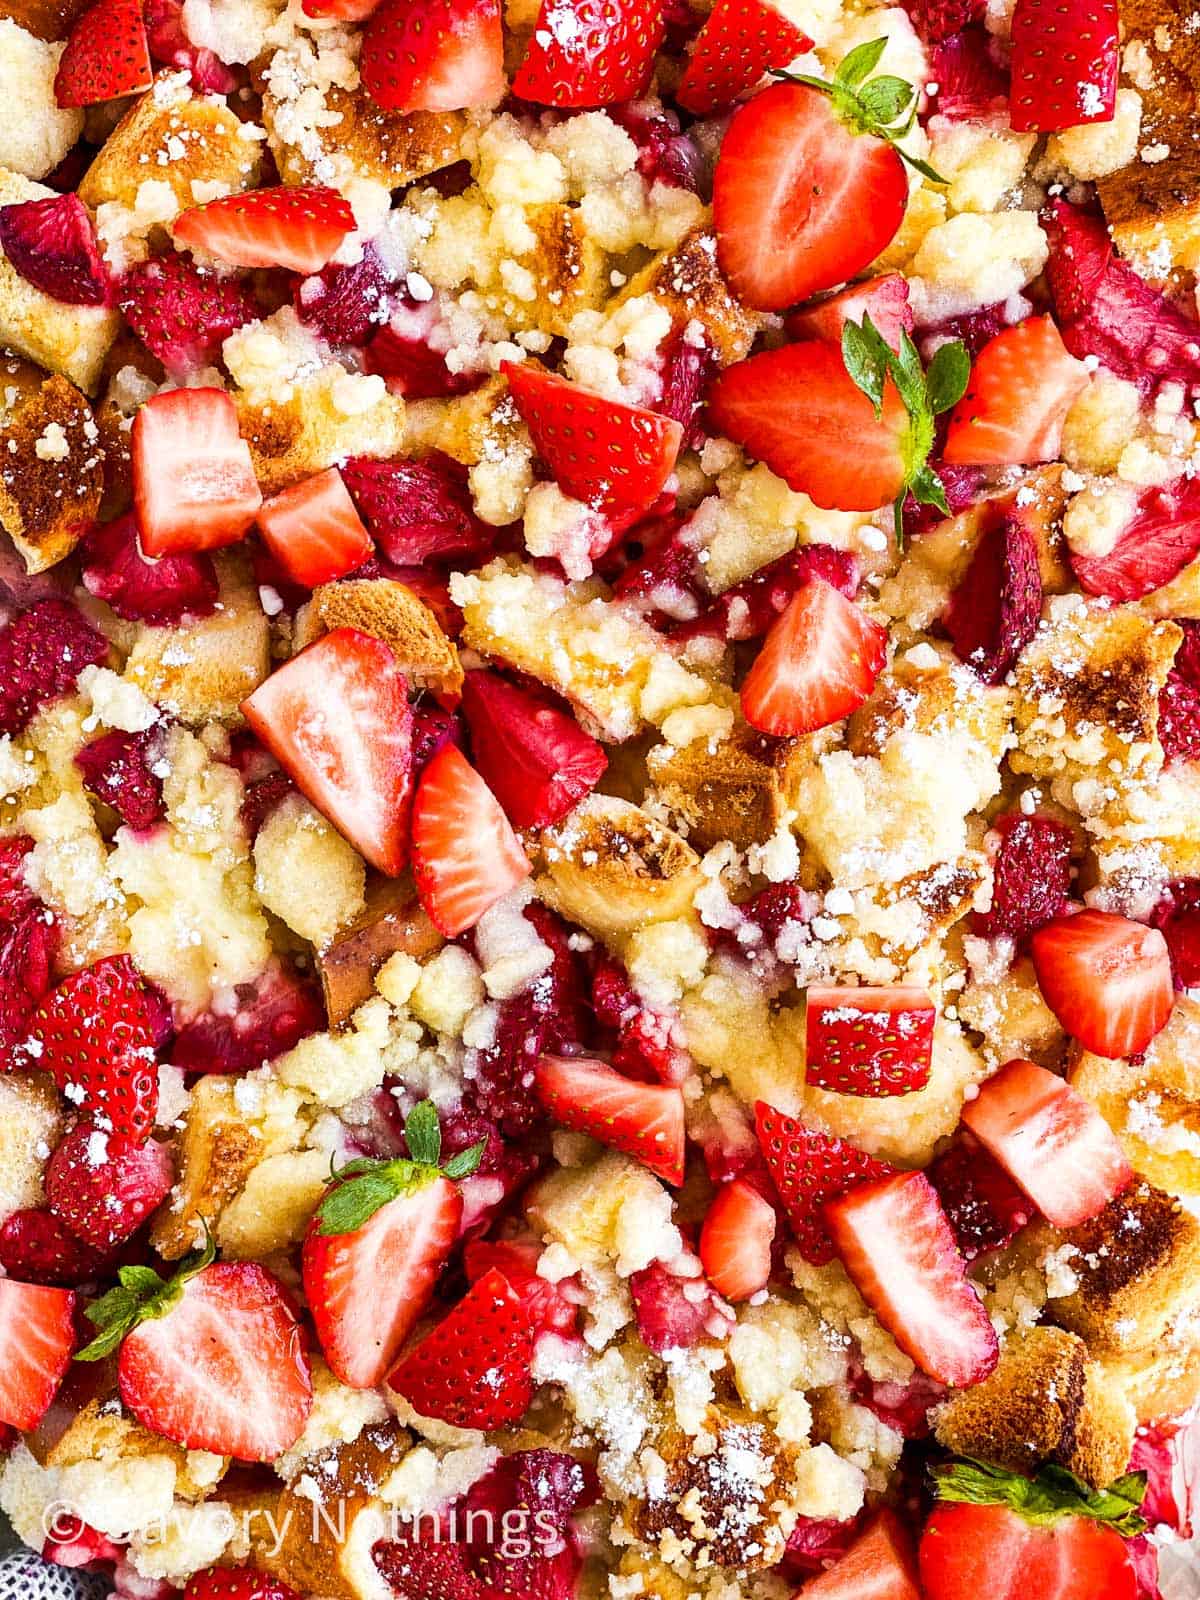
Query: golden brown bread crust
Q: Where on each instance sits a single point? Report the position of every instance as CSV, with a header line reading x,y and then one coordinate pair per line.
x,y
1153,208
45,19
217,1152
392,612
738,790
388,147
51,472
391,922
688,281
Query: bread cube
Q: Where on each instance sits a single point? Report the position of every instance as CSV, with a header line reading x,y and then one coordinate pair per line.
x,y
328,416
35,131
275,1205
591,1209
738,789
306,873
391,922
355,138
30,1126
50,20
51,472
391,612
688,281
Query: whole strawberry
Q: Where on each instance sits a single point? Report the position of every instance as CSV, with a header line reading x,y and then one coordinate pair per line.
x,y
38,1247
103,1190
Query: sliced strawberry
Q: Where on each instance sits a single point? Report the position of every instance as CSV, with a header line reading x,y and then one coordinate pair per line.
x,y
799,410
465,853
106,55
879,1565
159,592
808,1168
884,300
269,1017
534,756
313,530
37,1337
418,511
972,1550
818,663
52,244
337,718
1021,387
971,87
747,610
935,20
738,45
183,313
871,1042
995,610
1106,979
612,456
347,303
1050,1140
297,227
548,1308
899,1250
800,202
736,1240
237,1583
193,481
103,1189
42,652
590,52
118,769
675,1312
473,1370
1159,540
1064,63
445,55
1031,876
643,1120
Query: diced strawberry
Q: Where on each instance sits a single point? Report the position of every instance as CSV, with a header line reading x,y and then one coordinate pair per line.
x,y
313,530
1064,63
261,799
800,201
341,10
724,1131
473,1369
1107,980
193,481
662,571
749,608
465,853
995,610
1031,876
37,1247
37,1336
935,20
169,43
418,511
646,1046
687,368
736,1240
815,1543
548,1308
118,769
643,1120
297,227
429,1567
544,1488
1050,1140
808,1168
347,304
237,1583
403,352
42,653
870,1042
674,1312
879,1565
106,55
52,244
265,1019
17,899
972,1550
446,55
902,1406
590,52
899,1250
102,1188
884,300
1169,1454
183,313
1021,387
158,592
532,754
76,1545
665,155
1159,540
1179,701
1177,916
971,86
337,718
738,45
818,663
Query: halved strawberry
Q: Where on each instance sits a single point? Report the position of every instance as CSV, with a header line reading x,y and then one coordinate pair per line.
x,y
995,610
879,1565
898,1248
296,227
1159,540
106,55
532,754
883,299
473,1370
465,853
1050,1140
818,663
1021,387
800,202
738,45
972,1550
313,530
736,1240
193,481
443,55
808,1168
590,52
612,456
871,1042
183,313
1106,979
1064,63
37,1336
644,1120
52,244
337,718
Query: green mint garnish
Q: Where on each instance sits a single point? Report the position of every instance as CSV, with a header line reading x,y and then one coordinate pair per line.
x,y
140,1296
1055,1493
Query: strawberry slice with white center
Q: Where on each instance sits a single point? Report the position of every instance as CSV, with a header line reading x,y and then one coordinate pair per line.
x,y
107,55
465,853
1106,979
883,299
298,228
879,1565
612,456
870,1042
590,52
1052,1142
738,45
37,1336
193,480
736,1240
1064,63
336,717
643,1120
313,530
818,663
898,1248
1022,385
444,55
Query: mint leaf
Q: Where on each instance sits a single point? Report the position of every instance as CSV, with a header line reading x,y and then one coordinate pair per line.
x,y
423,1134
1045,1499
858,66
946,379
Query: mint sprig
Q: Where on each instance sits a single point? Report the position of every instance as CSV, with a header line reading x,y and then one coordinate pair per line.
x,y
885,107
924,393
362,1187
140,1296
1053,1494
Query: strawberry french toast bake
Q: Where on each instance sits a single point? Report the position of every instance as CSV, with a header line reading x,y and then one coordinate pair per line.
x,y
600,797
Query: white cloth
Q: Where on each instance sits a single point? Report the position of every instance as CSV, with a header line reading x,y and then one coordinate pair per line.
x,y
25,1576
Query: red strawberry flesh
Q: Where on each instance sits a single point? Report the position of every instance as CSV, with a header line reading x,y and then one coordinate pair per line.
x,y
183,313
994,612
52,244
119,769
42,653
1031,876
533,755
159,592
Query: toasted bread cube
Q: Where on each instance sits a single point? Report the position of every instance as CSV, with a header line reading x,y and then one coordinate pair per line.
x,y
688,281
50,20
595,1211
391,612
35,131
738,789
356,139
392,922
306,873
275,1205
1160,1381
51,472
1153,207
1013,1019
30,1124
332,415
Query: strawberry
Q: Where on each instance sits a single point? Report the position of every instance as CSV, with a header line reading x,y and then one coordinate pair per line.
x,y
473,1369
313,530
801,202
347,303
1179,701
590,52
747,610
183,313
103,1189
642,1120
465,853
418,511
995,610
971,87
52,244
1031,876
1064,63
534,756
37,1247
270,1017
117,768
429,1568
963,487
1158,541
1050,1140
106,55
1106,979
736,1240
341,10
159,592
17,899
337,718
738,45
42,652
612,456
665,155
37,1336
675,1312
870,1042
808,1168
1177,916
1021,388
935,20
686,369
296,227
237,1583
818,663
883,299
899,1250
547,1488
443,55
193,481
879,1565
548,1308
76,1545
169,43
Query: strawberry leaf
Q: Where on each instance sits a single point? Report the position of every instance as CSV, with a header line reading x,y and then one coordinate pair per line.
x,y
465,1162
362,1187
423,1134
140,1296
946,379
1053,1494
861,62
